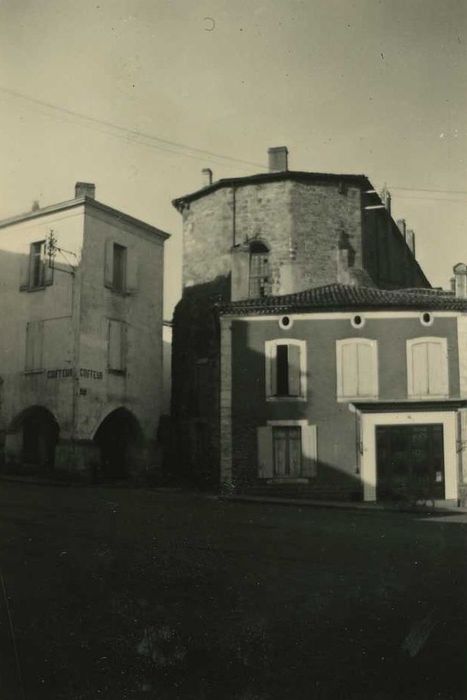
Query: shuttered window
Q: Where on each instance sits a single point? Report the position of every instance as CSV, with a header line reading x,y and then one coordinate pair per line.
x,y
285,368
34,345
120,268
427,367
357,368
117,346
287,450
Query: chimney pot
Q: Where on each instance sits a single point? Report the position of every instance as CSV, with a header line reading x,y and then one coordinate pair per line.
x,y
85,189
278,159
207,177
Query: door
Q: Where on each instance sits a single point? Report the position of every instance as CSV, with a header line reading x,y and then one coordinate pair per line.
x,y
410,461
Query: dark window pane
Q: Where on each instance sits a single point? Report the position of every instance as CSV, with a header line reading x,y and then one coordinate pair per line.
x,y
282,368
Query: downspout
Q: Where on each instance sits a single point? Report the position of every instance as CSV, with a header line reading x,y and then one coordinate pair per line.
x,y
234,216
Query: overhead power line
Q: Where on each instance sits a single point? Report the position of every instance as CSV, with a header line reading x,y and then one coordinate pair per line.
x,y
129,132
182,149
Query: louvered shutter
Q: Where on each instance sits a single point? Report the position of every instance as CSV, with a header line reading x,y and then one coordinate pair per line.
x,y
294,370
272,364
349,369
366,370
34,343
132,270
309,450
419,360
265,452
108,263
437,369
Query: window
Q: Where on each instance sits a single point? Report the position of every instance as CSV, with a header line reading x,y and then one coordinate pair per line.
x,y
117,346
259,270
36,272
34,344
427,368
120,268
287,450
285,369
357,368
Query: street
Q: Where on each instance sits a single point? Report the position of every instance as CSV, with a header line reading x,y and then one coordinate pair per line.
x,y
131,593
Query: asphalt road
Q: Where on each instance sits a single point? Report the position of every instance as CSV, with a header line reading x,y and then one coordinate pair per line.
x,y
129,593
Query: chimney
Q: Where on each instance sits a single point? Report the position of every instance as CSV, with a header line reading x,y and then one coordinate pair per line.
x,y
401,226
207,177
460,280
85,189
278,159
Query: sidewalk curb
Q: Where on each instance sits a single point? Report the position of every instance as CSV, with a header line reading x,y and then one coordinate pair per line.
x,y
347,505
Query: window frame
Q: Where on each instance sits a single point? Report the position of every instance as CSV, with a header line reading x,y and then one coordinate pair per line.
x,y
410,344
262,281
270,353
123,346
340,344
308,451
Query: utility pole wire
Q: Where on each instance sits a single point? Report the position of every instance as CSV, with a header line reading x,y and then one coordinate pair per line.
x,y
126,130
181,149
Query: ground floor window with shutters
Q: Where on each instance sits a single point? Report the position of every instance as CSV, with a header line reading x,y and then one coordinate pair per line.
x,y
287,450
286,376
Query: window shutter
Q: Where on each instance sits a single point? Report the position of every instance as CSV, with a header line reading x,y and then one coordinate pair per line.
x,y
273,371
24,271
34,342
437,369
265,452
349,369
132,270
294,370
419,361
108,263
115,349
47,269
366,370
309,450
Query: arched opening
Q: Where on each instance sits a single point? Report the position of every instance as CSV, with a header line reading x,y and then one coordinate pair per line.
x,y
259,285
33,437
117,437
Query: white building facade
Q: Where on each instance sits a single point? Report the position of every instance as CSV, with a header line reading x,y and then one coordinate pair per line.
x,y
81,350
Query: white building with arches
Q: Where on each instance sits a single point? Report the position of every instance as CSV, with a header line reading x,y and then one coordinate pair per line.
x,y
81,351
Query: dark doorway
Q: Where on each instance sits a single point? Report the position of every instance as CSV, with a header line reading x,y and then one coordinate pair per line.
x,y
117,437
40,435
410,461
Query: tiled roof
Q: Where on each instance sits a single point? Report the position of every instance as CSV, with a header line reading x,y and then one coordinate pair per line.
x,y
334,297
297,175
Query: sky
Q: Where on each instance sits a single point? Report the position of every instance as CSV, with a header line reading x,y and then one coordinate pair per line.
x,y
138,96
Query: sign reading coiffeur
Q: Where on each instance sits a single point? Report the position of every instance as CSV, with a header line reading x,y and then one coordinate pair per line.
x,y
70,372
